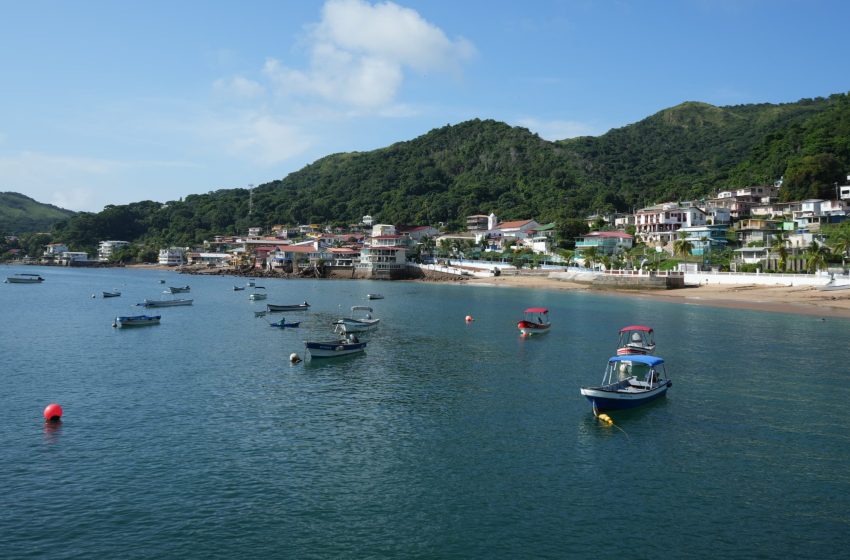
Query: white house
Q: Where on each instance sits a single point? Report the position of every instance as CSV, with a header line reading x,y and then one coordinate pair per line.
x,y
173,256
106,248
659,224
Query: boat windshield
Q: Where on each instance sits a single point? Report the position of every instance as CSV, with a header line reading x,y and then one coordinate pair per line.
x,y
623,369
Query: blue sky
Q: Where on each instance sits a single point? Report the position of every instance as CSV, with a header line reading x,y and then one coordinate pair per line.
x,y
111,102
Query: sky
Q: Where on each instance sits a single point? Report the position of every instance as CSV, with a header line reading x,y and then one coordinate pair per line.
x,y
112,102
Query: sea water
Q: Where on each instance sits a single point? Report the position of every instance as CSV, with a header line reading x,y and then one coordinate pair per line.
x,y
198,438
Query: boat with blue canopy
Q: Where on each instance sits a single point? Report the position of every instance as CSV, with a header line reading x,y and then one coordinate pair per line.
x,y
629,381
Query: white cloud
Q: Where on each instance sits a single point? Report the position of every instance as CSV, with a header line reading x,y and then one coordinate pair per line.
x,y
260,138
238,86
359,52
556,129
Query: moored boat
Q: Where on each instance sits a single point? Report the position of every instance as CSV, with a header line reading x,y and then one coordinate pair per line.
x,y
136,321
177,289
257,297
113,293
24,278
536,321
165,302
374,296
357,323
629,381
238,288
282,324
335,348
279,308
636,339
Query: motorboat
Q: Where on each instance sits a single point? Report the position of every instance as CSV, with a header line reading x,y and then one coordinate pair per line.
x,y
536,321
251,282
260,313
374,296
284,325
636,339
24,278
335,348
279,308
136,321
360,320
257,297
238,288
113,293
629,381
165,302
177,289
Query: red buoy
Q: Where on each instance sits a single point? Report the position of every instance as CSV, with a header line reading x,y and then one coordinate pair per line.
x,y
469,318
53,412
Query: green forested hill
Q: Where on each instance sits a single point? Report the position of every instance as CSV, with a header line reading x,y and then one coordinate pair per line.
x,y
21,214
481,166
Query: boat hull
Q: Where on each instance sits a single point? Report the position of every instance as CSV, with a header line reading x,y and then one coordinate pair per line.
x,y
636,350
166,303
374,296
13,280
280,308
333,349
257,297
528,327
348,325
111,294
137,321
603,399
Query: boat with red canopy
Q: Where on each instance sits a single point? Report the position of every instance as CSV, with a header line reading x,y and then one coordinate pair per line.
x,y
636,339
536,321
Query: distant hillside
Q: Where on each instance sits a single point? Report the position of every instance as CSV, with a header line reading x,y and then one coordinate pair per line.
x,y
482,166
21,214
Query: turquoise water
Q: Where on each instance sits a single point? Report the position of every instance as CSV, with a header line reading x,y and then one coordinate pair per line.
x,y
197,438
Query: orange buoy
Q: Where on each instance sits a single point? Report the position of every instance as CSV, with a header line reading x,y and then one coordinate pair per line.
x,y
469,318
53,412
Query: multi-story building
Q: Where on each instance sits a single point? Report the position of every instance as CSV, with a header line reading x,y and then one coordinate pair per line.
x,y
604,242
659,224
106,248
705,239
173,256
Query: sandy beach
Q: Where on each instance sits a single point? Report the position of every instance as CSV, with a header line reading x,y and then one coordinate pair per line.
x,y
779,299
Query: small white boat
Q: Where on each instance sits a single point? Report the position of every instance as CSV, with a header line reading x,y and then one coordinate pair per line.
x,y
257,297
374,296
536,321
357,323
165,302
636,339
335,348
113,293
136,321
24,278
295,307
629,381
251,282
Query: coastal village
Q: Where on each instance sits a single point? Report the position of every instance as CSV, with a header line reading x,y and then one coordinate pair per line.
x,y
750,225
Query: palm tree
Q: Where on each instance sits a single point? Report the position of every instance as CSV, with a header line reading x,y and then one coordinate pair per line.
x,y
840,244
682,247
816,257
780,247
589,255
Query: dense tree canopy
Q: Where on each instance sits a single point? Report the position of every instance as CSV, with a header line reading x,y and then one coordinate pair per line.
x,y
689,151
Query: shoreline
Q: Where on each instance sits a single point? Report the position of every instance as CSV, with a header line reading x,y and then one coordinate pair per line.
x,y
776,299
794,300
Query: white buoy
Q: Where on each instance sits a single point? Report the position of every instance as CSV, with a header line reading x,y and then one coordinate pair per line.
x,y
294,358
